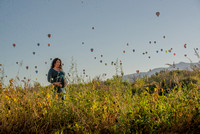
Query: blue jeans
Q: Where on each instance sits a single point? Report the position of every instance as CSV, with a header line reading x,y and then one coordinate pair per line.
x,y
63,91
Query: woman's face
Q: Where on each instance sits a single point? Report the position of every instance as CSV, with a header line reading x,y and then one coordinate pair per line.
x,y
57,64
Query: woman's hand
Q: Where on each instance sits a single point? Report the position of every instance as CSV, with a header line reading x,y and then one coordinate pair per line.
x,y
58,84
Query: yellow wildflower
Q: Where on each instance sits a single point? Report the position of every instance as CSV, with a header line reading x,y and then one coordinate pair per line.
x,y
48,95
94,106
56,96
104,107
147,88
39,104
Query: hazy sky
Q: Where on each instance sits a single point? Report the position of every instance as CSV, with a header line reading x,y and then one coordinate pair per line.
x,y
115,22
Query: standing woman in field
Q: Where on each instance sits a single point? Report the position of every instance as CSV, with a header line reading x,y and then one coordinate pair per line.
x,y
56,76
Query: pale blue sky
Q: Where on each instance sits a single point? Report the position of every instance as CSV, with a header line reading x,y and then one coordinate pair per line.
x,y
116,23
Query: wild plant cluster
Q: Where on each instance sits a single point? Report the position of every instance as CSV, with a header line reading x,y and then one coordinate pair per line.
x,y
167,102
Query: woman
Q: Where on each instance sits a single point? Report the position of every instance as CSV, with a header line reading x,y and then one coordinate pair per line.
x,y
56,76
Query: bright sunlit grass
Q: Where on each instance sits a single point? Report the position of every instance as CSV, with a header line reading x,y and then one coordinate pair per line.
x,y
111,106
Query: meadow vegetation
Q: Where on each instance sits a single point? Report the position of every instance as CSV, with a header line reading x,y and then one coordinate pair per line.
x,y
167,102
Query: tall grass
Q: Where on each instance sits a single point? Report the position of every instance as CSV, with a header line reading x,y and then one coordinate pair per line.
x,y
111,106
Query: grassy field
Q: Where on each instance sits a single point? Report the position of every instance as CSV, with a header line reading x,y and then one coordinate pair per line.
x,y
168,102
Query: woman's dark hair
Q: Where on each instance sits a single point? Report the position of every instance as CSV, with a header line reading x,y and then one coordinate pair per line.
x,y
54,61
